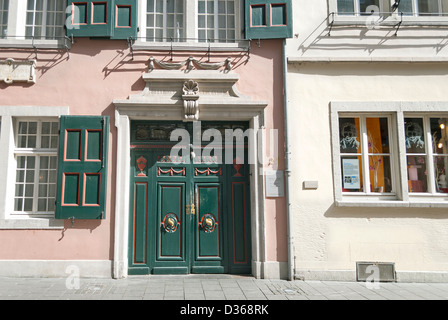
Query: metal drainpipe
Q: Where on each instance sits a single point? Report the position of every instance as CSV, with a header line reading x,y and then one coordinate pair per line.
x,y
287,168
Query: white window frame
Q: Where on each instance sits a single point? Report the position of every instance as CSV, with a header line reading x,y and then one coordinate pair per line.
x,y
44,26
415,8
16,35
385,17
190,30
37,153
398,111
365,154
357,8
2,22
8,115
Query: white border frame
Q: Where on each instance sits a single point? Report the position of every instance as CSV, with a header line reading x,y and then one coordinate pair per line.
x,y
391,18
191,31
146,107
398,109
7,166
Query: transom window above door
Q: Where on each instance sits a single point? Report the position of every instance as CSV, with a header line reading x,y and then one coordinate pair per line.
x,y
190,20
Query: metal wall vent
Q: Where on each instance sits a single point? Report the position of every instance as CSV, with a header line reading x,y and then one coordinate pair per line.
x,y
375,271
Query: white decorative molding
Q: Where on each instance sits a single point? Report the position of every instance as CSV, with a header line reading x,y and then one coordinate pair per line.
x,y
17,71
190,97
219,98
190,63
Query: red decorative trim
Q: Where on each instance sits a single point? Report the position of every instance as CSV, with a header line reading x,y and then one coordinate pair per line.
x,y
84,190
286,15
265,15
63,189
216,222
73,13
171,171
207,171
86,145
146,224
65,145
141,165
91,18
233,223
116,16
180,225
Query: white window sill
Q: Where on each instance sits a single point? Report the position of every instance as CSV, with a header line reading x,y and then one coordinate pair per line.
x,y
38,44
393,20
31,223
241,45
391,203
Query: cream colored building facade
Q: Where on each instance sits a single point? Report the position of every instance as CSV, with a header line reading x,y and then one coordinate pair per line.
x,y
367,104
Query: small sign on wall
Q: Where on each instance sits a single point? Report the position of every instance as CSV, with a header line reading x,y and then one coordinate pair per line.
x,y
275,183
17,71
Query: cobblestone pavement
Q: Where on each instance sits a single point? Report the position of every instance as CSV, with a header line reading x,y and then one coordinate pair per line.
x,y
211,287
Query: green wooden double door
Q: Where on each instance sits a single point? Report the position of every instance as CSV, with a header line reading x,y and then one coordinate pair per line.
x,y
189,213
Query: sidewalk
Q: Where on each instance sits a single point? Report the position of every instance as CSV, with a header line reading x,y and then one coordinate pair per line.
x,y
211,287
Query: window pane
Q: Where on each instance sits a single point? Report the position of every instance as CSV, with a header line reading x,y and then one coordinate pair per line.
x,y
351,168
365,4
380,173
28,204
440,166
36,174
415,139
164,20
428,7
378,135
346,7
417,174
405,6
439,135
4,5
349,138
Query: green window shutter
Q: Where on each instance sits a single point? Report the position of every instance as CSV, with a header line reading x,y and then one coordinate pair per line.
x,y
268,19
125,19
114,19
82,167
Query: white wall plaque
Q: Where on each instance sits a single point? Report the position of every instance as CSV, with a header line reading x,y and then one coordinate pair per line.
x,y
275,183
17,71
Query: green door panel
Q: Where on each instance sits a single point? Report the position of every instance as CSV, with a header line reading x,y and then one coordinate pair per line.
x,y
186,217
208,235
140,222
170,240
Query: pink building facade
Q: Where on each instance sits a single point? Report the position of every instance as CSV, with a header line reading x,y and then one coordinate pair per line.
x,y
155,215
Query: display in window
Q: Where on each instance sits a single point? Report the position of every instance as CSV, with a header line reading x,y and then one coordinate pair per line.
x,y
440,151
417,174
415,141
349,135
379,157
351,174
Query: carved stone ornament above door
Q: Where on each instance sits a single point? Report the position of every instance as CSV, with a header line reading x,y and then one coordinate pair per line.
x,y
190,96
